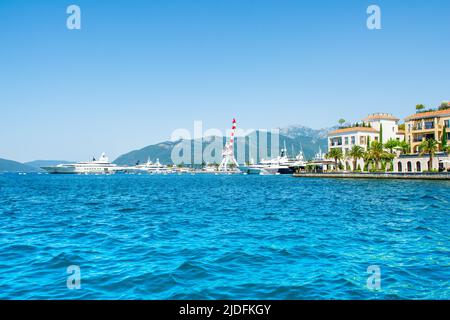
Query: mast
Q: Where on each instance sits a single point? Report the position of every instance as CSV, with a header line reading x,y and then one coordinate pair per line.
x,y
228,159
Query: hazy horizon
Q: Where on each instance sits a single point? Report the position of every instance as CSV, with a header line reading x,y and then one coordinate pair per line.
x,y
137,71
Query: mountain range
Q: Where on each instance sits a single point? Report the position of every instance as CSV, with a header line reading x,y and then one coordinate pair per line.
x,y
14,166
32,166
295,138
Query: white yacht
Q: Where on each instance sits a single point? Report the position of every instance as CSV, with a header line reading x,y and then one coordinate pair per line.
x,y
100,166
151,167
279,165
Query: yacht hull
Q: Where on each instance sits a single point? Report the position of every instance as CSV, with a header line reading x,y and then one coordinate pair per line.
x,y
65,170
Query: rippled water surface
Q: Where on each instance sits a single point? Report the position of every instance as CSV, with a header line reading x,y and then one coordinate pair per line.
x,y
208,237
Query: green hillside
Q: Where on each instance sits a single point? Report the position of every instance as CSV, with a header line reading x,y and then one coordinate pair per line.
x,y
162,151
14,166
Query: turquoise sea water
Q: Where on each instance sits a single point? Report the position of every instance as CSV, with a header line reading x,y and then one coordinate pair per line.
x,y
230,237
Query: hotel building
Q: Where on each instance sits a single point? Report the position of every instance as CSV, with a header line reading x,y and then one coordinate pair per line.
x,y
346,138
419,127
426,125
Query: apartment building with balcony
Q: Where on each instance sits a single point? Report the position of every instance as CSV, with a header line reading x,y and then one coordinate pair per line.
x,y
363,133
426,125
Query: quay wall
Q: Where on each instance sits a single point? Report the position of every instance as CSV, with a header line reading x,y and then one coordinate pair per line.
x,y
381,175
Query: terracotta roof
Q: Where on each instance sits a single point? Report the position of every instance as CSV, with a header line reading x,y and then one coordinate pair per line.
x,y
380,116
353,129
430,114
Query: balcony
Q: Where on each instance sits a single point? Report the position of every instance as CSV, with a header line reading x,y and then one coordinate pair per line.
x,y
430,127
336,144
423,137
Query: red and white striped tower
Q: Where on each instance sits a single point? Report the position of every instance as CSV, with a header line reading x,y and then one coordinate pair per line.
x,y
228,153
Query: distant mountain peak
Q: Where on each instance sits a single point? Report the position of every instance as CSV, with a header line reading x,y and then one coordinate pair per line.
x,y
294,131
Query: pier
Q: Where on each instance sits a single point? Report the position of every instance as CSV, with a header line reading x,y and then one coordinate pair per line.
x,y
377,175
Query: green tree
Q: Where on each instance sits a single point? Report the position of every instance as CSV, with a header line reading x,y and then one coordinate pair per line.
x,y
386,158
391,144
446,149
336,154
367,159
341,122
376,152
406,148
381,133
419,107
430,147
444,105
444,138
356,153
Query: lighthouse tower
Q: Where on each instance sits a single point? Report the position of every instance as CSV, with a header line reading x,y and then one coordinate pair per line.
x,y
228,160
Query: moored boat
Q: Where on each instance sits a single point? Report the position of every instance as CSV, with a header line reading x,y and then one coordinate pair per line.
x,y
100,166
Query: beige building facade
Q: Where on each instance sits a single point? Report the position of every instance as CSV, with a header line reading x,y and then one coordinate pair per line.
x,y
422,126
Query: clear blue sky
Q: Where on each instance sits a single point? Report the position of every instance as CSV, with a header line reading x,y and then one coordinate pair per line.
x,y
137,70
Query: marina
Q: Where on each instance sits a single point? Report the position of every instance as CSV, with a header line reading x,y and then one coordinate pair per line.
x,y
382,175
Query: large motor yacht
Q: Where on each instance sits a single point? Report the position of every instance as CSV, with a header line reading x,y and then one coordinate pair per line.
x,y
100,166
148,167
279,165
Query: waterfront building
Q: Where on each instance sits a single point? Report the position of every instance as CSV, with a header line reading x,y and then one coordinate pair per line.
x,y
421,163
375,127
426,125
419,127
387,125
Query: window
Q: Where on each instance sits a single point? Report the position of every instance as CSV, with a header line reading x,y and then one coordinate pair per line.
x,y
346,140
353,139
336,142
447,123
429,125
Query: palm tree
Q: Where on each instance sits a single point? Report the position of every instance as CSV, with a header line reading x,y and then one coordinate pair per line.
x,y
376,152
336,154
429,146
356,153
387,157
391,144
405,146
